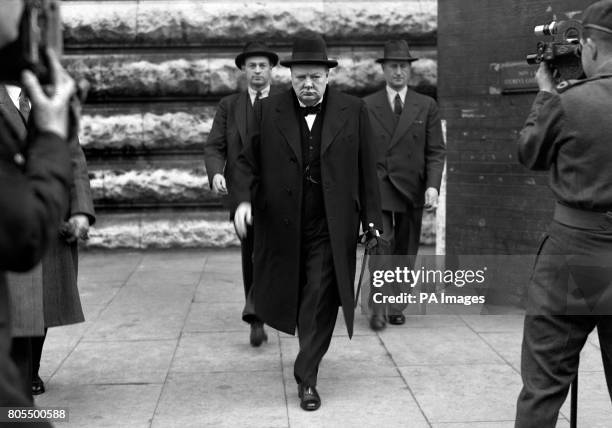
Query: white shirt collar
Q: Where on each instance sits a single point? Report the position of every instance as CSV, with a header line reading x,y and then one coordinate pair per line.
x,y
253,93
391,93
13,92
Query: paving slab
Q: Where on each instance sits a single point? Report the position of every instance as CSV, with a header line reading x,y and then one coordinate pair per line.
x,y
464,393
224,352
445,346
103,406
363,356
594,407
231,400
357,402
117,362
217,317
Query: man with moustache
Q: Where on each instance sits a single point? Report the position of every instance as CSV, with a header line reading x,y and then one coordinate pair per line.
x,y
410,160
34,183
305,180
568,134
234,120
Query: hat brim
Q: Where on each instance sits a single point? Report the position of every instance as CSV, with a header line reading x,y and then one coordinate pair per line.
x,y
410,59
241,58
329,63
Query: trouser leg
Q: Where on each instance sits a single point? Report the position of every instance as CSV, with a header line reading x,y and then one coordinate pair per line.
x,y
318,309
246,246
549,363
37,347
407,237
21,354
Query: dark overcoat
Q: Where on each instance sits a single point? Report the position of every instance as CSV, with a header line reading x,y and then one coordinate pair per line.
x,y
32,197
227,138
48,295
410,156
270,173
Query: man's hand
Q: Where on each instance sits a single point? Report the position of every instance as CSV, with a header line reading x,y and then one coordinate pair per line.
x,y
219,186
544,78
242,218
80,226
50,112
431,199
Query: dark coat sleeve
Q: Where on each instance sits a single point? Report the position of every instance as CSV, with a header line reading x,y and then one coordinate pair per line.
x,y
80,191
537,145
245,174
369,193
435,149
33,200
215,148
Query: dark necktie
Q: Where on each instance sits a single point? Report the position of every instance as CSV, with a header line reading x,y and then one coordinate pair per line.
x,y
257,98
397,105
310,110
24,105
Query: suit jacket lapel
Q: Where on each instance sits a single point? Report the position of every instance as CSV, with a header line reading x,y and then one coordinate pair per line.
x,y
287,122
409,113
240,113
382,111
335,116
11,113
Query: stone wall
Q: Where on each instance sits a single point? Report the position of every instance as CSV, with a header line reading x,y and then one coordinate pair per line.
x,y
158,70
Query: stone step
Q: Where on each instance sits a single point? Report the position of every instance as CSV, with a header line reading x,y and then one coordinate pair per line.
x,y
211,75
186,228
157,23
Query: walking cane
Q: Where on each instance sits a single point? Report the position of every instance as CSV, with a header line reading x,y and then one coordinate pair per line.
x,y
371,233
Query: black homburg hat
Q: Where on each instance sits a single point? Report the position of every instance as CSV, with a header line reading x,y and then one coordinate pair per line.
x,y
309,50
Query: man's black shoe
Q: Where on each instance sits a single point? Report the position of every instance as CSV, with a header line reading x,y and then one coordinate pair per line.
x,y
38,386
309,397
258,334
397,319
377,322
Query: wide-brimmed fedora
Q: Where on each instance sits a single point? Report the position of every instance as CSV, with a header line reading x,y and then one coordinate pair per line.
x,y
256,49
396,50
309,49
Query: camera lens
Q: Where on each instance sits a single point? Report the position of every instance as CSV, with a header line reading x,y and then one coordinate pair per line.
x,y
546,30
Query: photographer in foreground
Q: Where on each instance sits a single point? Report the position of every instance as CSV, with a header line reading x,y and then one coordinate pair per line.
x,y
34,182
568,133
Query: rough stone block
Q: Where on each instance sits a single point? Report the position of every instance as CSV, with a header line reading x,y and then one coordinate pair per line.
x,y
194,75
195,23
145,130
151,185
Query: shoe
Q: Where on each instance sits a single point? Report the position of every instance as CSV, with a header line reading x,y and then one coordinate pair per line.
x,y
38,386
309,397
258,334
397,319
377,322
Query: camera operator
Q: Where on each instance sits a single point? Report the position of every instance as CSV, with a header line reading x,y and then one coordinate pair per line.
x,y
34,183
568,133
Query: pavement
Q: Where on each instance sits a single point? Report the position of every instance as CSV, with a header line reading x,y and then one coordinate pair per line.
x,y
164,346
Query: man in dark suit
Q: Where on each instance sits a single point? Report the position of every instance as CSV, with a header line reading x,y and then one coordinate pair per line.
x,y
234,120
34,183
310,173
410,154
568,133
48,295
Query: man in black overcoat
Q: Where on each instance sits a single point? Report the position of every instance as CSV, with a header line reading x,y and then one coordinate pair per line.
x,y
34,184
234,120
305,181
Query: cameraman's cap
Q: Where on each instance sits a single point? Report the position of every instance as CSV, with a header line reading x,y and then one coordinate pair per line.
x,y
598,16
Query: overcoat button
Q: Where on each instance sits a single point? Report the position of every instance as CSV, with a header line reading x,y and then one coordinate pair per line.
x,y
19,159
286,221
